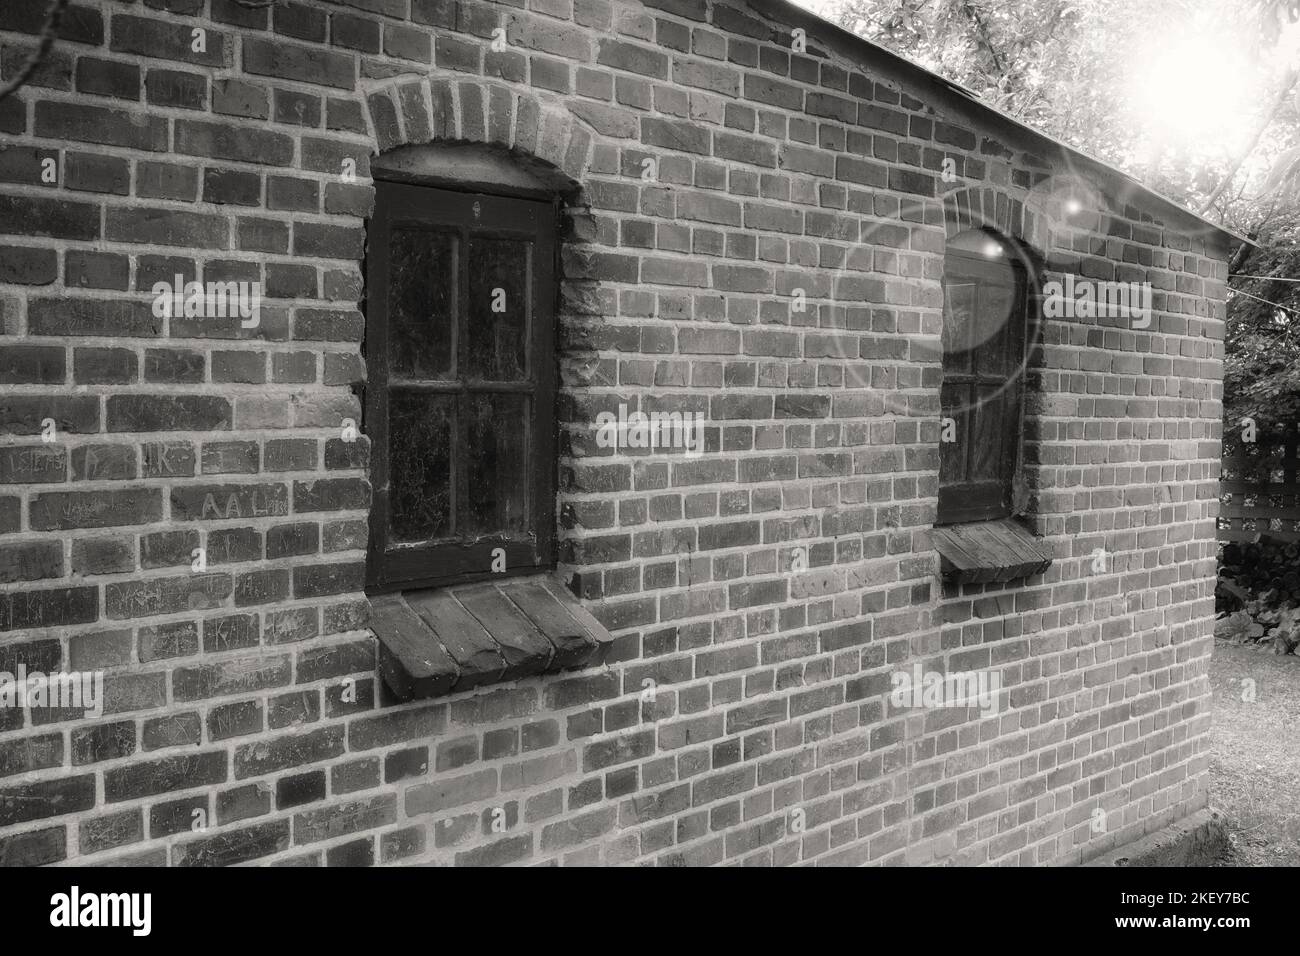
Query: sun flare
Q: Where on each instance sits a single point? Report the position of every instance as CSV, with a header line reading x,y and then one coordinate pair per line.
x,y
1192,91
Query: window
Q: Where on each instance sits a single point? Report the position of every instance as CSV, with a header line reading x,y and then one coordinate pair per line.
x,y
460,313
985,319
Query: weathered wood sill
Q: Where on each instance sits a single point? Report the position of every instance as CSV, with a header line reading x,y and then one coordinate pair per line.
x,y
990,552
437,641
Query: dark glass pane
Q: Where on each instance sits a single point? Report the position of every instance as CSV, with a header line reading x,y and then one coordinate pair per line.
x,y
992,329
420,430
989,425
421,303
498,310
954,435
958,309
496,457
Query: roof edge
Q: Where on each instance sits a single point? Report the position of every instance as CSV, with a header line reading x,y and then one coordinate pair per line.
x,y
852,46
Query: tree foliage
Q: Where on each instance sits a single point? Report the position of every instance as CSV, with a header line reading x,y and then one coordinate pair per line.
x,y
1261,378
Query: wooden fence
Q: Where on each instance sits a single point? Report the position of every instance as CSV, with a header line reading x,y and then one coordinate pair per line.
x,y
1259,491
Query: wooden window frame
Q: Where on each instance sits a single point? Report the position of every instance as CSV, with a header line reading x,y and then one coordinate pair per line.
x,y
512,213
968,501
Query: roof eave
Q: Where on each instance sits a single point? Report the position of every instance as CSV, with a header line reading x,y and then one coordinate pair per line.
x,y
852,46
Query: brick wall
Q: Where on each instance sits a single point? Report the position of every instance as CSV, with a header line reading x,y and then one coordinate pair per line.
x,y
743,714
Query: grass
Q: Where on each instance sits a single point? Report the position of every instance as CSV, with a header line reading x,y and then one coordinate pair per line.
x,y
1255,747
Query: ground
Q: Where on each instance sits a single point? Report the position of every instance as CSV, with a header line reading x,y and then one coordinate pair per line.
x,y
1255,769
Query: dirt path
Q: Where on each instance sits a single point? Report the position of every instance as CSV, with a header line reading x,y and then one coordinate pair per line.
x,y
1255,766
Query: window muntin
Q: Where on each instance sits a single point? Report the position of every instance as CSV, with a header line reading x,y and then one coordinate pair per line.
x,y
461,382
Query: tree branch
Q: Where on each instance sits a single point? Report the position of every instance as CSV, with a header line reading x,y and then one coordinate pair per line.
x,y
1264,124
1239,257
975,18
48,34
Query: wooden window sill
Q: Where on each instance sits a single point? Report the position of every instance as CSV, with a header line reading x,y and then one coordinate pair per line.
x,y
437,641
989,552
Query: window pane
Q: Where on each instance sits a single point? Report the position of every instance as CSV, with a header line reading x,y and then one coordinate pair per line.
x,y
421,303
420,427
955,401
989,434
958,309
498,310
993,321
496,455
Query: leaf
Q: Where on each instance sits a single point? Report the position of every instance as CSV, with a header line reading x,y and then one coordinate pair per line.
x,y
1233,588
1234,627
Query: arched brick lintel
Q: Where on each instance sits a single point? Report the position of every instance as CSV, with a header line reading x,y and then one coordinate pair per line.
x,y
413,112
992,208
